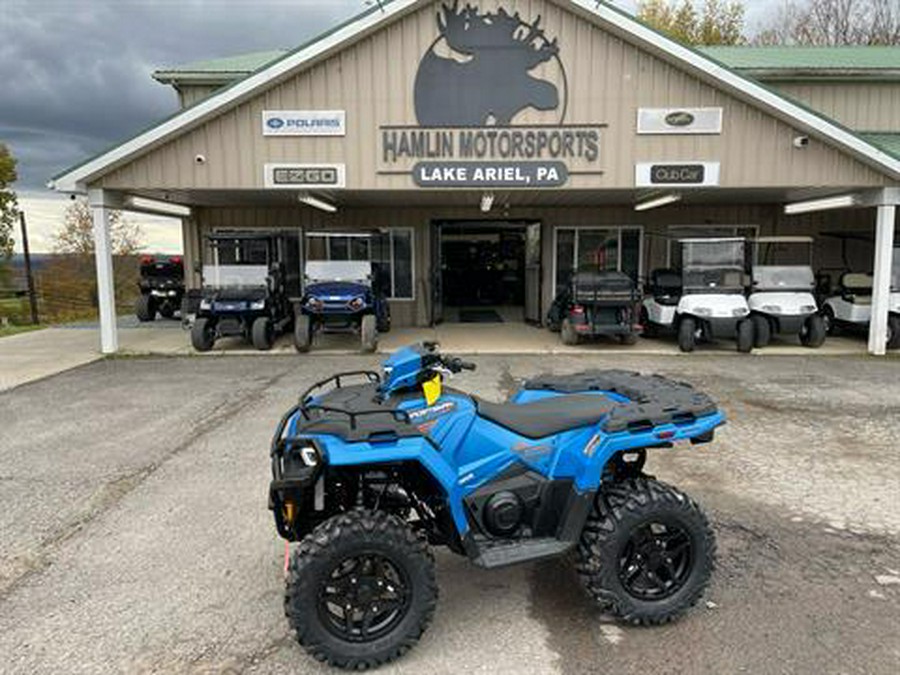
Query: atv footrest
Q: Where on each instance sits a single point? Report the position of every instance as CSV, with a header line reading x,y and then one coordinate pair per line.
x,y
502,553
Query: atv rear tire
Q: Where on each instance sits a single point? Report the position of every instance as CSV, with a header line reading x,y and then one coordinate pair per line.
x,y
203,335
167,310
687,335
629,339
831,326
646,552
568,333
373,564
302,333
813,333
145,308
762,331
746,336
893,332
648,326
263,333
368,334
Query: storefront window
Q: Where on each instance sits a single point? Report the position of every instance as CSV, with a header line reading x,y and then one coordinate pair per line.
x,y
600,249
390,252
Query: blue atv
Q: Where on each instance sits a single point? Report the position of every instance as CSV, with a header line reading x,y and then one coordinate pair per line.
x,y
370,469
341,297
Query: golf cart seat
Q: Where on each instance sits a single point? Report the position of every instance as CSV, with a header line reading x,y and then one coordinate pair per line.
x,y
665,285
547,417
855,286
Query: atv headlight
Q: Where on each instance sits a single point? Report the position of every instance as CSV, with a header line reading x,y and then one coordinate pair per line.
x,y
310,455
808,309
740,311
315,304
356,304
258,304
703,311
205,304
772,309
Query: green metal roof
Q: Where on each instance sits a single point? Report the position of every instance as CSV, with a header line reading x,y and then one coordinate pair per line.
x,y
889,142
809,59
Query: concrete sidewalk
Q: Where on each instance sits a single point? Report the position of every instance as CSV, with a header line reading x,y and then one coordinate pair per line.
x,y
32,356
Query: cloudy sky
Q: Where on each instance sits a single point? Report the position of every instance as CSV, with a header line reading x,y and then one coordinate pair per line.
x,y
75,75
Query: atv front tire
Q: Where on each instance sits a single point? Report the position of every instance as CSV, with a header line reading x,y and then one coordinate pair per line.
x,y
568,333
203,335
646,552
360,590
263,333
145,308
368,334
302,333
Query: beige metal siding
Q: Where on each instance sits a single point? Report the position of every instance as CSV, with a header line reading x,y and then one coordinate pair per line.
x,y
864,106
189,94
608,81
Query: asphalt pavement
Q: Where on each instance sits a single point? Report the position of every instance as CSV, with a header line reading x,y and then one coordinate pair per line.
x,y
134,534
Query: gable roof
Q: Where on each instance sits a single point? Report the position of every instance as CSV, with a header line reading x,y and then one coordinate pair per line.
x,y
776,62
611,18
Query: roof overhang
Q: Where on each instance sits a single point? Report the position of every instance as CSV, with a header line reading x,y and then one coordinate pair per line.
x,y
76,179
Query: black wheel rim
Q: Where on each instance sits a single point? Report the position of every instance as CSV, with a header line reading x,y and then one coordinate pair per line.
x,y
364,597
656,561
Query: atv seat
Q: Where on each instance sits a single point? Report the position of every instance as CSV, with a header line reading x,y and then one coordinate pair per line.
x,y
548,417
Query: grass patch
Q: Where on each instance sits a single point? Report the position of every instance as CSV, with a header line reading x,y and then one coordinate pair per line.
x,y
6,331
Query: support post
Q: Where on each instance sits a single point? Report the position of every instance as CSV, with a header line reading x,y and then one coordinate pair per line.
x,y
881,288
106,291
29,273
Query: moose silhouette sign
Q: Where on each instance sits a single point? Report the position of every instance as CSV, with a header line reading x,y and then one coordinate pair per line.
x,y
494,83
482,79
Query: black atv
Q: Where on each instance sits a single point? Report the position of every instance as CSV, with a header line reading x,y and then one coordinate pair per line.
x,y
162,287
596,304
244,293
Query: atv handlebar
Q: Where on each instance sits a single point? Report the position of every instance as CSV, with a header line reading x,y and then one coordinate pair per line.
x,y
456,365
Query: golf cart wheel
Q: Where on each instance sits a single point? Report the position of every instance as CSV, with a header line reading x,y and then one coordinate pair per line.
x,y
831,327
302,333
383,323
893,332
646,552
360,590
746,336
167,310
687,334
568,333
263,333
813,332
145,308
762,330
629,339
203,334
368,333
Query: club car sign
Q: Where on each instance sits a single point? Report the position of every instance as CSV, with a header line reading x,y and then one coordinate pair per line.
x,y
472,86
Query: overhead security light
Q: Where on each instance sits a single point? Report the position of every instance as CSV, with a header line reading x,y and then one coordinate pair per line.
x,y
656,202
487,202
316,203
826,204
157,206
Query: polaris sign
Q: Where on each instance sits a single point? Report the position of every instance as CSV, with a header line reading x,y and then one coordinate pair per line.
x,y
304,123
679,121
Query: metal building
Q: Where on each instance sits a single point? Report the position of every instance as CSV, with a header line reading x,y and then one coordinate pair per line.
x,y
545,131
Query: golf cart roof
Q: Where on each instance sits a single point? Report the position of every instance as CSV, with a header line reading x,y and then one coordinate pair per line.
x,y
784,240
713,240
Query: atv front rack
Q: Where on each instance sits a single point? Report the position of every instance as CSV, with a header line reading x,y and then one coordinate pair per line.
x,y
370,375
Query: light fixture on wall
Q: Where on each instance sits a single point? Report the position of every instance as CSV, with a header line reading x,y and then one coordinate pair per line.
x,y
826,204
487,202
156,206
656,202
316,203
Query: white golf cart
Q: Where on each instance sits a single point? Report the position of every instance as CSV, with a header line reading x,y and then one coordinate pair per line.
x,y
781,298
710,302
852,306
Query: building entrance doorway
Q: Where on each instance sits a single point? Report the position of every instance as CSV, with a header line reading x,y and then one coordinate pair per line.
x,y
486,272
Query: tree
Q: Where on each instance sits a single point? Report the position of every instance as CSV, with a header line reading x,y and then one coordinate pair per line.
x,y
77,232
719,22
834,23
9,205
